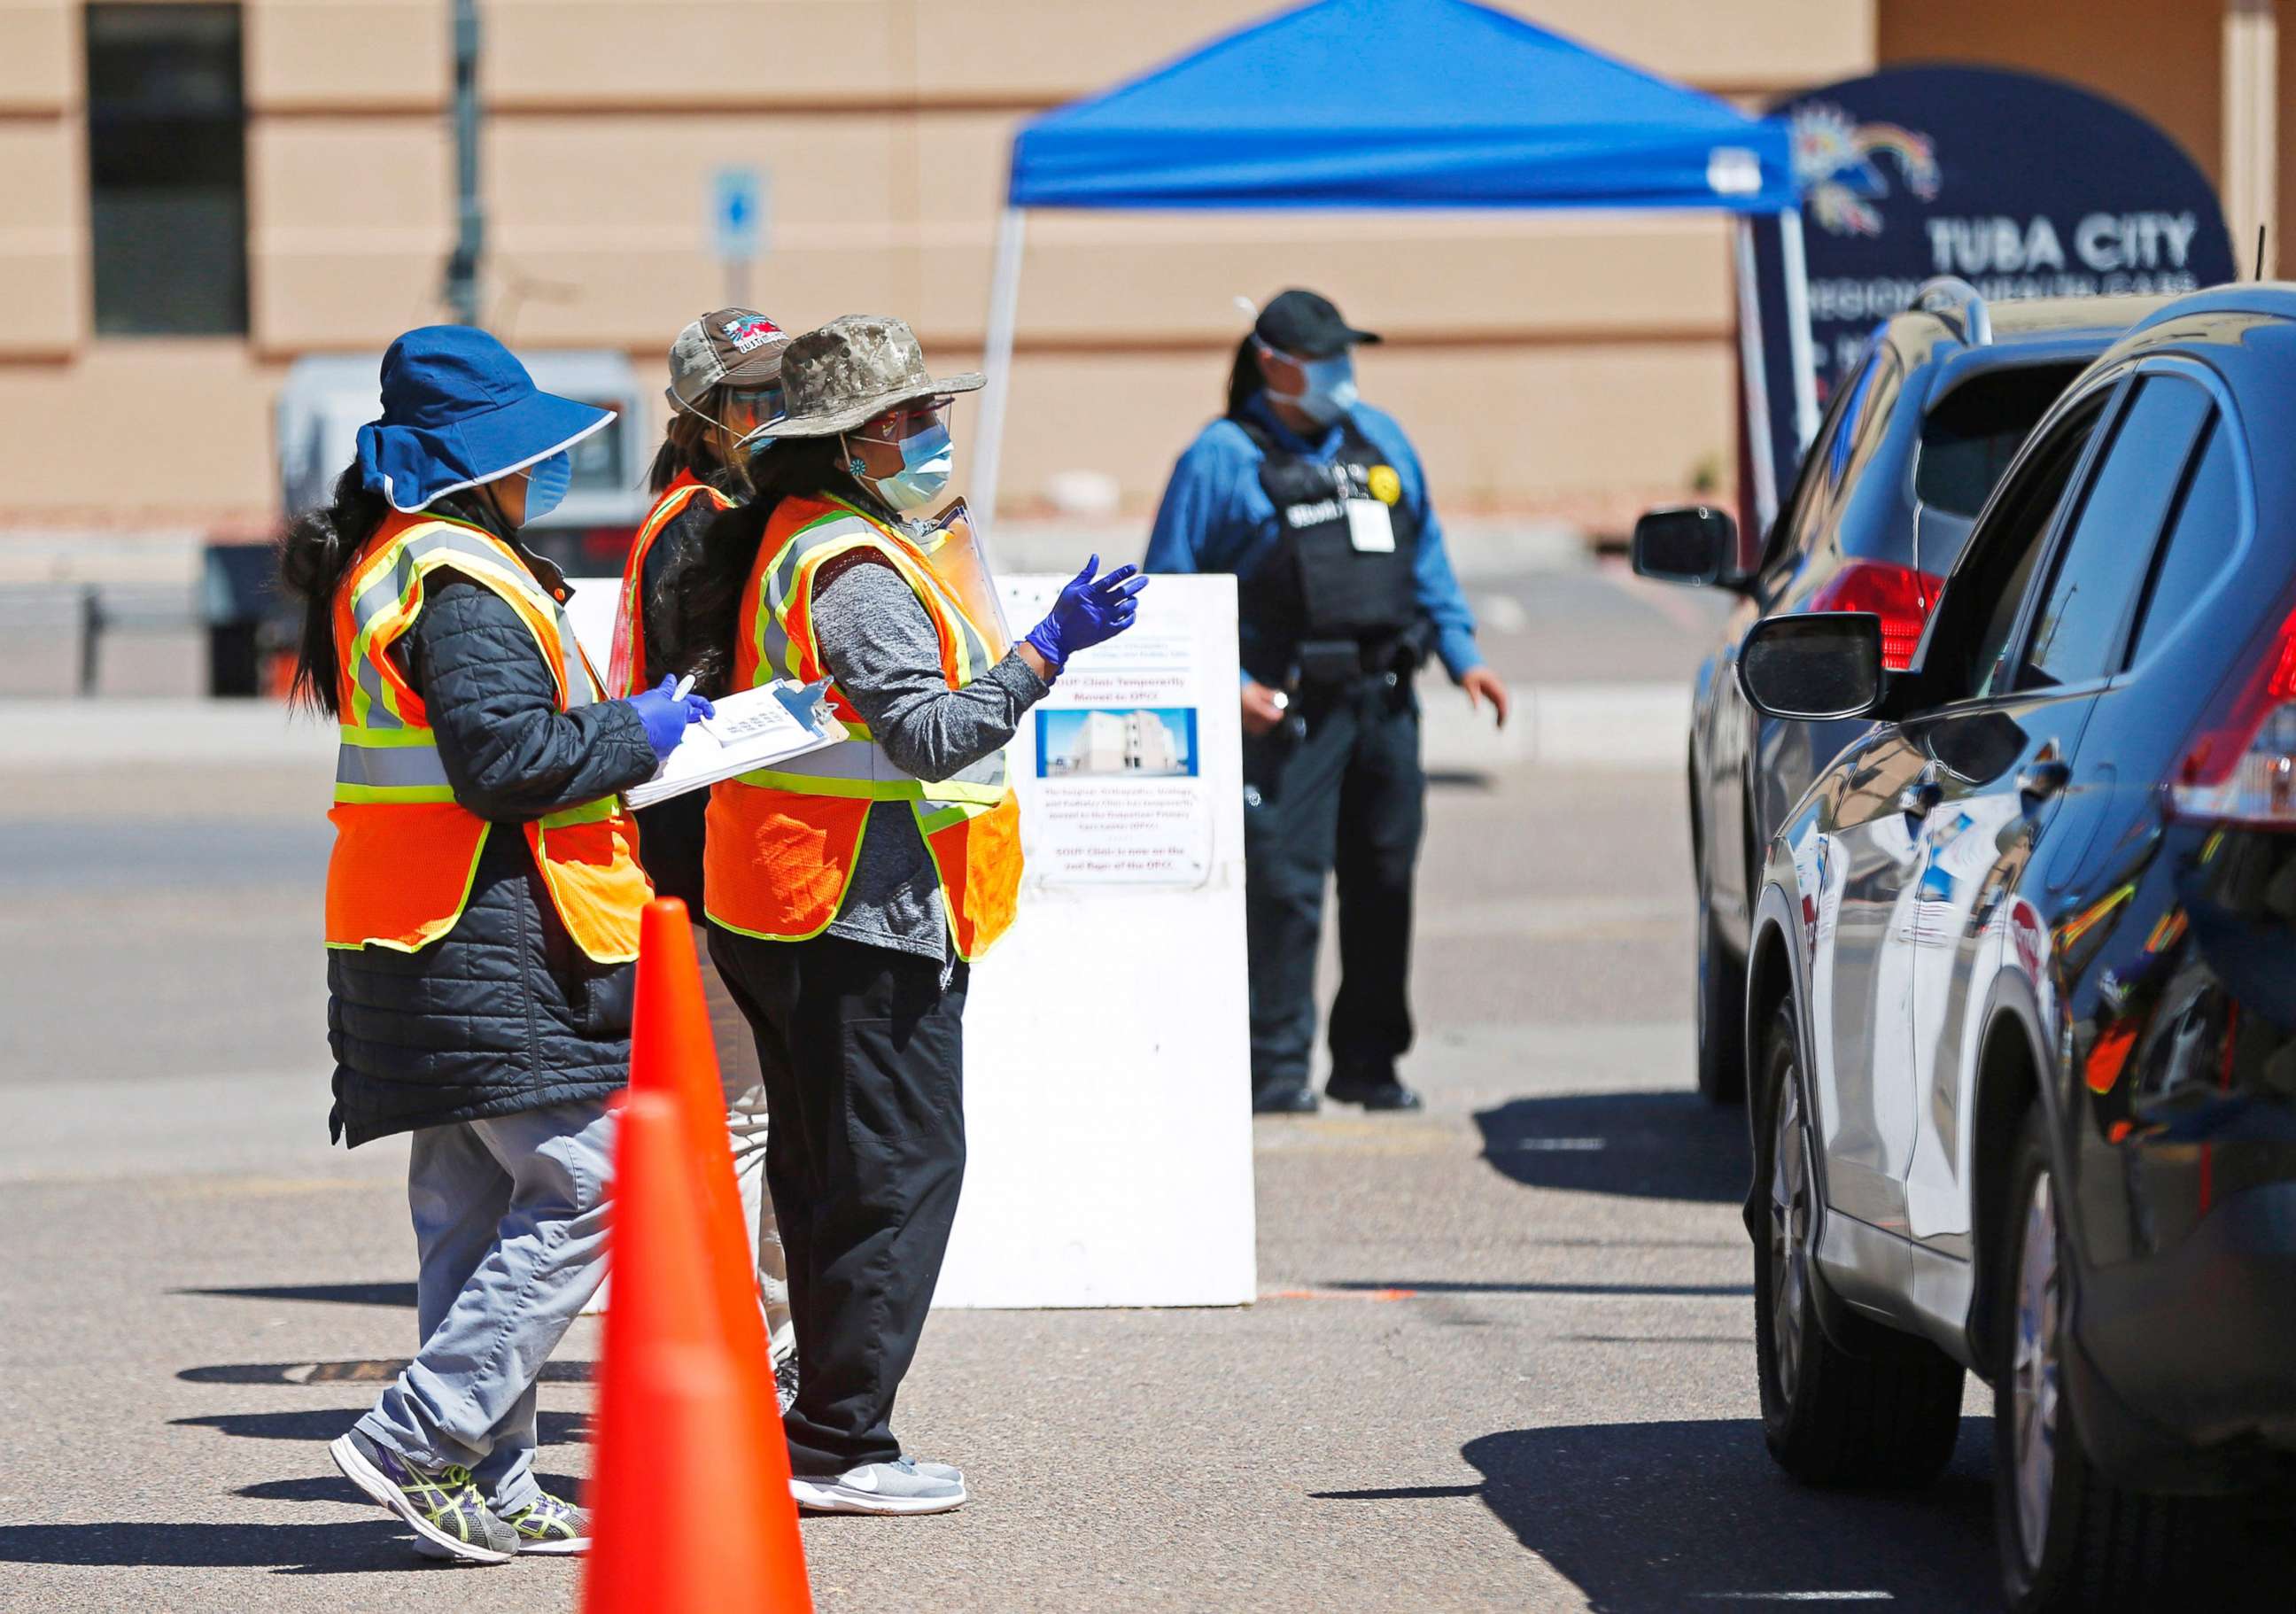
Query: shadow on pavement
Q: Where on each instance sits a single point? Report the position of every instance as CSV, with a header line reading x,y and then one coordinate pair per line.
x,y
339,1294
1658,1517
368,1370
286,1549
327,1423
331,1486
1652,1145
1403,1288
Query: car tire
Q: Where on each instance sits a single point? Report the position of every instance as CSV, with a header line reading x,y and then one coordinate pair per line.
x,y
1888,1416
1721,1011
2068,1539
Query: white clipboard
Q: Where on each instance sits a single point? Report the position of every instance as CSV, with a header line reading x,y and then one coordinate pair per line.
x,y
754,728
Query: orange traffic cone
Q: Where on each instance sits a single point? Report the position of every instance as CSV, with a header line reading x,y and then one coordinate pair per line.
x,y
690,1497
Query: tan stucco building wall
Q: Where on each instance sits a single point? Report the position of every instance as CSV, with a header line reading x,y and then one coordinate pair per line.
x,y
1576,364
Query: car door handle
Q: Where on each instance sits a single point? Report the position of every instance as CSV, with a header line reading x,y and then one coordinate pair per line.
x,y
2044,777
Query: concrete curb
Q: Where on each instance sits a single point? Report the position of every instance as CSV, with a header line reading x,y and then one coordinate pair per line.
x,y
1601,725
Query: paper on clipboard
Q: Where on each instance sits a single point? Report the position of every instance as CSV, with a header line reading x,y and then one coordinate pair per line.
x,y
754,728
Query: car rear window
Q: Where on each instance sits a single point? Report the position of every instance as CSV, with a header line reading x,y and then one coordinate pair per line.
x,y
1969,436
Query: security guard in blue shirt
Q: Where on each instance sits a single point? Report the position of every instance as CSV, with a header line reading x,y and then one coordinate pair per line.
x,y
1317,504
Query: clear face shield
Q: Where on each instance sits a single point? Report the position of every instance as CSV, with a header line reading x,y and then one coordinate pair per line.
x,y
959,564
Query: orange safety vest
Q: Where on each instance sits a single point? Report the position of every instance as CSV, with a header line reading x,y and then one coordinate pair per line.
x,y
783,841
406,851
626,669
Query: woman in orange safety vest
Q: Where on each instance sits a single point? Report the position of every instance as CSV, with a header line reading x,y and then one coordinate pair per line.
x,y
481,912
725,382
848,889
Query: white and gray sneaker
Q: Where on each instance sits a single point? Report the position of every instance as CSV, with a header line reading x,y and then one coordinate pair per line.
x,y
882,1487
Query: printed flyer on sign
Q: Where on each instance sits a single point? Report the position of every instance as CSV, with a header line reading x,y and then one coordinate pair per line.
x,y
1116,794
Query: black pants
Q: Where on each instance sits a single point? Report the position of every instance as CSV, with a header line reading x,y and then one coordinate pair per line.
x,y
862,1057
1336,790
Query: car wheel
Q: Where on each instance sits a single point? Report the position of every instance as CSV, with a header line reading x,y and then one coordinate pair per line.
x,y
1888,1416
2068,1540
1721,1012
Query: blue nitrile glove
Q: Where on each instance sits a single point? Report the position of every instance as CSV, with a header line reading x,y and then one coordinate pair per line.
x,y
1087,612
666,713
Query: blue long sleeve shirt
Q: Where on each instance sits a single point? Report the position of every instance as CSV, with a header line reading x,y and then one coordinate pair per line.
x,y
1216,517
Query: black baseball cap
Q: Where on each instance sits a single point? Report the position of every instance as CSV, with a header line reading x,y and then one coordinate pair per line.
x,y
1306,325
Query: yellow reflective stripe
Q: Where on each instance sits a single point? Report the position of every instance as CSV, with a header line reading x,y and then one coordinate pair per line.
x,y
772,590
377,739
849,790
389,793
872,790
933,824
951,790
362,647
589,812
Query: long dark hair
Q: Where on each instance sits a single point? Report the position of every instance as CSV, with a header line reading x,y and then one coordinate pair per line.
x,y
318,550
1244,378
708,593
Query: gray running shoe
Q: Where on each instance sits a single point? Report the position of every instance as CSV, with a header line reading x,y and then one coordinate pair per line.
x,y
551,1524
938,1470
441,1505
879,1487
547,1524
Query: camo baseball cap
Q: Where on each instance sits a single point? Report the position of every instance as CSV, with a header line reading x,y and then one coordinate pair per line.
x,y
740,346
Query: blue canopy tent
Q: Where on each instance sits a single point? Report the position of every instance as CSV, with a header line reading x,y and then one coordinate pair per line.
x,y
1401,103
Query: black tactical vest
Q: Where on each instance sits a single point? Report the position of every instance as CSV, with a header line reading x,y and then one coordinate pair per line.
x,y
1313,586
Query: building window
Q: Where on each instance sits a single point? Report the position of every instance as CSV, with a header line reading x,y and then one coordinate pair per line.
x,y
167,147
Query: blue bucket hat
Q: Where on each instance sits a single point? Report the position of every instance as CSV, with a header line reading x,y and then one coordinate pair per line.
x,y
458,410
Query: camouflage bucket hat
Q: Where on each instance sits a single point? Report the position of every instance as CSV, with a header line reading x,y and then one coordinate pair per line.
x,y
852,368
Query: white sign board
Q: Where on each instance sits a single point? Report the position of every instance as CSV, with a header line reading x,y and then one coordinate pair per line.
x,y
1107,1083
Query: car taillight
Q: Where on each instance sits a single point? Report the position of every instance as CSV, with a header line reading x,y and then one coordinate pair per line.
x,y
1898,594
2243,769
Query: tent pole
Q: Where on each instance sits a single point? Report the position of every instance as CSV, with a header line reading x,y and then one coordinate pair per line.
x,y
1805,363
1003,313
1753,376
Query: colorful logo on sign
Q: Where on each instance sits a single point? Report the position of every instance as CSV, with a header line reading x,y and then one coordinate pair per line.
x,y
1835,161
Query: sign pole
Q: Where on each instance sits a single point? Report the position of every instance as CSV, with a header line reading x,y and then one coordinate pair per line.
x,y
1753,377
470,210
1805,363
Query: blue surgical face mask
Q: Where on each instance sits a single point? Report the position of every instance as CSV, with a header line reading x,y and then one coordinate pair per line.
x,y
927,458
546,482
1331,389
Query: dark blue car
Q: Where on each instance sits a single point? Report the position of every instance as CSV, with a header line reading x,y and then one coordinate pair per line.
x,y
1912,442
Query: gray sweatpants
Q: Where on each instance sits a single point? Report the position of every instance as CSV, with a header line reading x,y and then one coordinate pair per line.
x,y
510,1229
746,1131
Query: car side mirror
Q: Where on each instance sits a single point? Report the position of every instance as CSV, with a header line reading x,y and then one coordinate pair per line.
x,y
1812,667
1692,543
